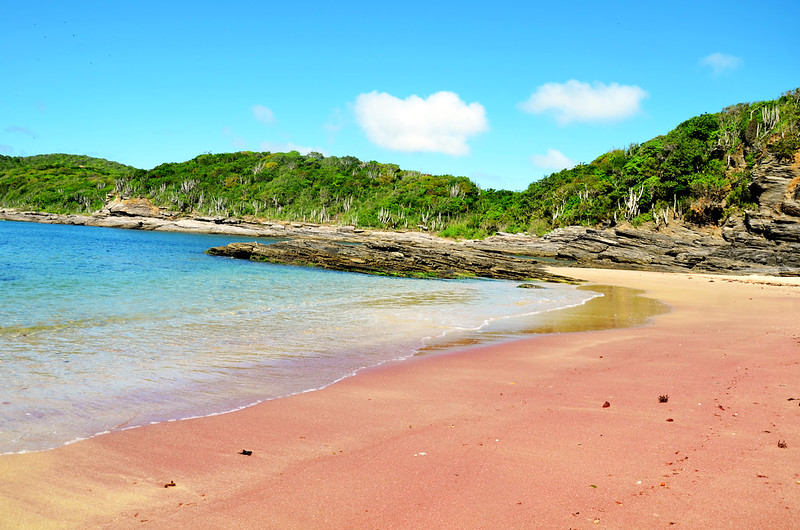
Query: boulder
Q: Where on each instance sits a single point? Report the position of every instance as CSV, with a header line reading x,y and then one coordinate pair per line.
x,y
134,207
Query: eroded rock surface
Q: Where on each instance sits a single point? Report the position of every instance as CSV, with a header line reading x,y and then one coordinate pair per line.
x,y
406,258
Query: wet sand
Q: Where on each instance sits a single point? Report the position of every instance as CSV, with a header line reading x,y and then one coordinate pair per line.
x,y
514,435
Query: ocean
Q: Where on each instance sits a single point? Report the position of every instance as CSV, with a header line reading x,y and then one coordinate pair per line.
x,y
104,329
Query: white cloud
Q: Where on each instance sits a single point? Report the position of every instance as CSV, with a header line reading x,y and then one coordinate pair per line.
x,y
554,159
721,63
263,114
576,101
285,147
441,123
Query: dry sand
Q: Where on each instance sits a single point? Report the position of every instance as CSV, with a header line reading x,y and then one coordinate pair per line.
x,y
503,436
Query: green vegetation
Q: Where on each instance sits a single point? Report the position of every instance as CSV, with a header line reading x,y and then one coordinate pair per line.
x,y
58,183
700,172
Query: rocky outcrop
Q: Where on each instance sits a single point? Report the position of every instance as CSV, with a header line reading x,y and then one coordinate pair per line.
x,y
678,250
520,257
770,236
134,207
777,187
405,258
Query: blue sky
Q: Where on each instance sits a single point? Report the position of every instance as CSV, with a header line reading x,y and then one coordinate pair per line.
x,y
501,92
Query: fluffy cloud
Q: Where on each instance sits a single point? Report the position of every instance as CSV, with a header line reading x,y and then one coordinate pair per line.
x,y
554,159
441,123
576,101
263,114
721,63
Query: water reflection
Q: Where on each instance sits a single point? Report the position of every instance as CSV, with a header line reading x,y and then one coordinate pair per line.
x,y
618,307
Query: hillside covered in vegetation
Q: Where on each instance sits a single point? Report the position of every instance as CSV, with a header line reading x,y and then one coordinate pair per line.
x,y
700,172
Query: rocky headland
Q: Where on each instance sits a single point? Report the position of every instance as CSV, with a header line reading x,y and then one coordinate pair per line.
x,y
762,241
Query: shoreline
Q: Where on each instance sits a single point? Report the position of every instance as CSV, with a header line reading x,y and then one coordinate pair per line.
x,y
208,225
590,314
512,434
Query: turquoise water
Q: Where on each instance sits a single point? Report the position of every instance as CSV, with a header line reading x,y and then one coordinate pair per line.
x,y
104,329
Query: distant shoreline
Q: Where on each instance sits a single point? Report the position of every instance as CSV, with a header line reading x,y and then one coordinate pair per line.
x,y
673,249
224,226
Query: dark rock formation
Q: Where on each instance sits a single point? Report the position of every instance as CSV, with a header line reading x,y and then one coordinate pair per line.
x,y
770,236
404,258
676,250
777,186
679,250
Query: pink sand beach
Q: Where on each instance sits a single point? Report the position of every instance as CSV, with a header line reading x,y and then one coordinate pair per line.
x,y
689,421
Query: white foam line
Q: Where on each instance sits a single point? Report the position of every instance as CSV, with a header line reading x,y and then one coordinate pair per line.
x,y
488,321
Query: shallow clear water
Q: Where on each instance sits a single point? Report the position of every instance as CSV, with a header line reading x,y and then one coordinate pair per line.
x,y
102,329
